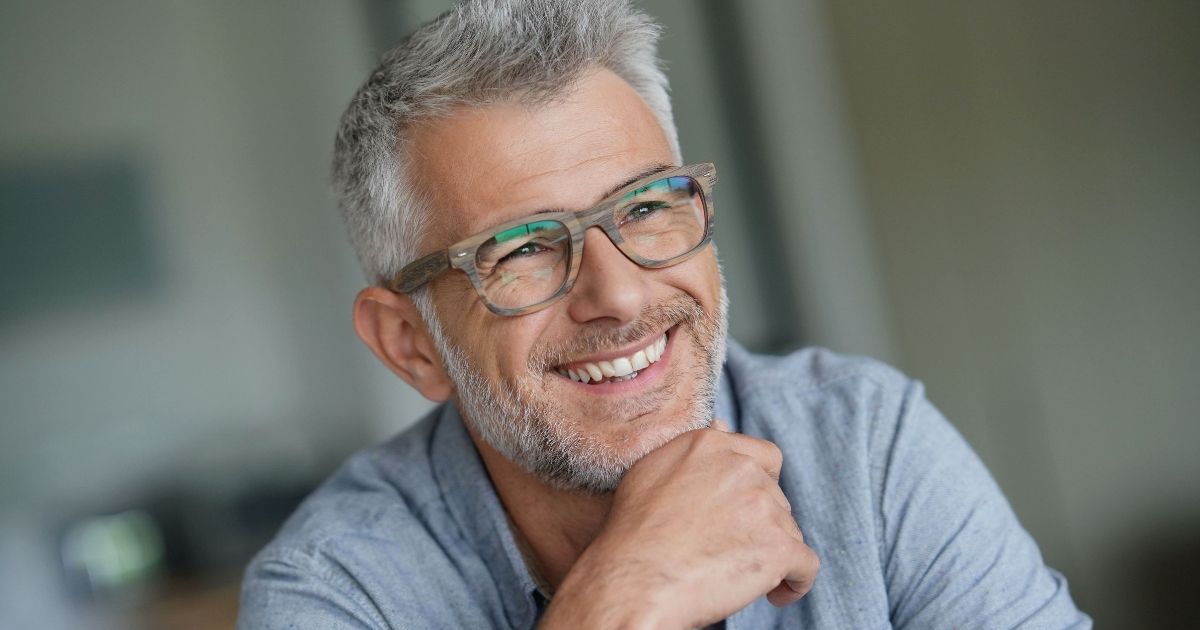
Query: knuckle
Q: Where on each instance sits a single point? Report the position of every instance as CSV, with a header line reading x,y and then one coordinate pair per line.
x,y
756,512
797,532
745,466
763,502
774,452
812,562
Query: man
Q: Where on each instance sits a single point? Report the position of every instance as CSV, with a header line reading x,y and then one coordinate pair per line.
x,y
540,261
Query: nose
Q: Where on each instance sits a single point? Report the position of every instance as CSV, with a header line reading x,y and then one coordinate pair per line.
x,y
609,285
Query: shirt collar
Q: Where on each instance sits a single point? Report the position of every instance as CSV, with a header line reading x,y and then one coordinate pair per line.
x,y
726,406
473,503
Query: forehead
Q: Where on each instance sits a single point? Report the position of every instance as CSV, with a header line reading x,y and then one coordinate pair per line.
x,y
482,166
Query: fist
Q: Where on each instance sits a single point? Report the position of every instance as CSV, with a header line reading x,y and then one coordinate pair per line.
x,y
699,528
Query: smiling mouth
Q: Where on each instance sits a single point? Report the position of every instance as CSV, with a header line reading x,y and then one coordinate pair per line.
x,y
617,369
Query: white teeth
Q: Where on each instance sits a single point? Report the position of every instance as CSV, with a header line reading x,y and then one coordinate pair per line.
x,y
619,369
594,371
639,361
622,367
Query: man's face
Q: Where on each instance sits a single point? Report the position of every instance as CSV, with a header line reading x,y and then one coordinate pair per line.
x,y
485,166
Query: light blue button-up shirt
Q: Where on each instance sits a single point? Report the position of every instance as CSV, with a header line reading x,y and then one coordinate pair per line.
x,y
911,529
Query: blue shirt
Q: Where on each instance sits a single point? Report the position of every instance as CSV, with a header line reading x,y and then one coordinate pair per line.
x,y
911,529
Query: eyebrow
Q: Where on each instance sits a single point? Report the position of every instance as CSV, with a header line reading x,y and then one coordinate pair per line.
x,y
646,172
657,168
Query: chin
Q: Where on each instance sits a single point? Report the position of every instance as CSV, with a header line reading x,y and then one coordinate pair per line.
x,y
648,432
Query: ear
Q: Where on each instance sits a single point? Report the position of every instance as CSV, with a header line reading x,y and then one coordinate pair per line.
x,y
390,325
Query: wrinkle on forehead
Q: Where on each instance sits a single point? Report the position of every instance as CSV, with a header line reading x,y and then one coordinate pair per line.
x,y
532,179
484,165
535,164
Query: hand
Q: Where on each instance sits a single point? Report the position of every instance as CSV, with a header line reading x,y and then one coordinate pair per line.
x,y
699,528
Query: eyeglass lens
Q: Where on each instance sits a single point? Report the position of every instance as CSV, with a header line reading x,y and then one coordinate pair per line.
x,y
525,265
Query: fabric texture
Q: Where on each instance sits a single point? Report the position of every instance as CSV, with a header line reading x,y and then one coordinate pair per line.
x,y
911,529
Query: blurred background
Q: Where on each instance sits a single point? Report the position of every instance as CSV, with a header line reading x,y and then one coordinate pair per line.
x,y
1000,198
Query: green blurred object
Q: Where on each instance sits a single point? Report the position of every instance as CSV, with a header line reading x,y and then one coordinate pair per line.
x,y
114,552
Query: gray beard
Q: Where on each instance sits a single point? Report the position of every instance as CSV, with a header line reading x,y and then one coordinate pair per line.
x,y
531,431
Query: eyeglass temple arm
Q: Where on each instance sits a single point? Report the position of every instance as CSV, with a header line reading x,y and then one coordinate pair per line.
x,y
416,273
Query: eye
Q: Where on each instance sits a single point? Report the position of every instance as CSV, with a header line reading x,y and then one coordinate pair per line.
x,y
528,249
642,211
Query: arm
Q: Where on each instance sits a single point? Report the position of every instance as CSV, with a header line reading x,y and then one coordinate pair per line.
x,y
699,528
955,555
279,594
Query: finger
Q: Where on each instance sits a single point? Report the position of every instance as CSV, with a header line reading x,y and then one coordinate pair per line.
x,y
765,453
786,522
799,579
782,500
803,572
783,595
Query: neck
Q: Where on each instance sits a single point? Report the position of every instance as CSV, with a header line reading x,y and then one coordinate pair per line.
x,y
557,525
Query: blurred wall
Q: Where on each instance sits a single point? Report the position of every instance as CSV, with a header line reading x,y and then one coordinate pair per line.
x,y
237,359
1032,173
228,364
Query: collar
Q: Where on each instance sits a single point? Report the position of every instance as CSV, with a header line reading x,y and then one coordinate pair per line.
x,y
473,503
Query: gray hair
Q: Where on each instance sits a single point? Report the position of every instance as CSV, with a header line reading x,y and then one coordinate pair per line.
x,y
477,53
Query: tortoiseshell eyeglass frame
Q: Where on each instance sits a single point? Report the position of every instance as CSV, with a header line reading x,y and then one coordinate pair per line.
x,y
461,255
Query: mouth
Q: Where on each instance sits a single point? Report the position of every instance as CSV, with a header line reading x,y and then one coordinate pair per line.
x,y
626,365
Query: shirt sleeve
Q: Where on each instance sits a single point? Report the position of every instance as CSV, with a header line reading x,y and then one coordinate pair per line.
x,y
954,554
283,594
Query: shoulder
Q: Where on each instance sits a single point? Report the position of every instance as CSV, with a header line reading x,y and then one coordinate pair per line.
x,y
840,419
817,389
375,492
369,536
868,459
806,369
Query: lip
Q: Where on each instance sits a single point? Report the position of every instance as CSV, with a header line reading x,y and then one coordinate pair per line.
x,y
620,352
646,376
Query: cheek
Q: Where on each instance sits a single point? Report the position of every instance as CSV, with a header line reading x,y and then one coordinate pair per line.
x,y
514,339
454,295
464,318
699,277
499,346
712,272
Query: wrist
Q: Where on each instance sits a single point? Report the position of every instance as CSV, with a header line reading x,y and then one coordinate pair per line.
x,y
601,591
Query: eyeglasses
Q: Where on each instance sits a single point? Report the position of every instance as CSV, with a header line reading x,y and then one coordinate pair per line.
x,y
525,265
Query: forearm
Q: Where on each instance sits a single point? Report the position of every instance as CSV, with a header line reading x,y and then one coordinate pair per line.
x,y
598,594
699,529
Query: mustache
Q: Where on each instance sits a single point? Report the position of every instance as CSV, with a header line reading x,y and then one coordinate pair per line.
x,y
597,338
